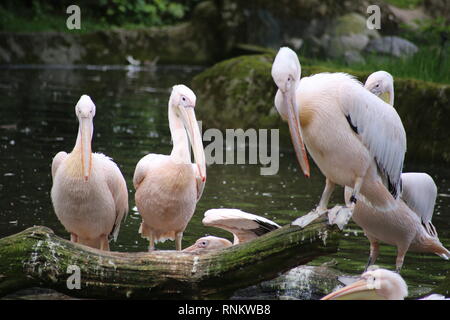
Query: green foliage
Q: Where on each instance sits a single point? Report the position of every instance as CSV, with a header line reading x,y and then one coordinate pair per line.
x,y
41,15
405,4
145,12
429,64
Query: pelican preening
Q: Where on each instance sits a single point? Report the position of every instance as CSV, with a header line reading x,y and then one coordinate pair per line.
x,y
244,227
409,227
355,138
381,84
209,243
89,193
377,284
168,187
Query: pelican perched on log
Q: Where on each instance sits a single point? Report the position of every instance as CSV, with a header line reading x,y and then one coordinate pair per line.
x,y
377,284
244,227
89,193
381,84
168,187
354,137
409,227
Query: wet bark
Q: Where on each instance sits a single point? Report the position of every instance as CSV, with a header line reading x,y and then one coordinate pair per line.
x,y
37,257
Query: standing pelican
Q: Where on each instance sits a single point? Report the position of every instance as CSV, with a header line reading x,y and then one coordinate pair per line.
x,y
409,227
377,284
89,193
168,187
381,84
354,137
244,227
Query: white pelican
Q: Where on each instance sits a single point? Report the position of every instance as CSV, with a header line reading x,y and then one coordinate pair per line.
x,y
168,187
209,243
244,227
409,227
381,84
89,193
354,137
377,284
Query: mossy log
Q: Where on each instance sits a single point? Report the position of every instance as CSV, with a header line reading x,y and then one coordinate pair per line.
x,y
36,257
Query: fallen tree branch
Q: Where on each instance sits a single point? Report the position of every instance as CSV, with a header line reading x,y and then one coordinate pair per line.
x,y
36,257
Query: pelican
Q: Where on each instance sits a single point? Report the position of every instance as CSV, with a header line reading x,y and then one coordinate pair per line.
x,y
409,227
377,284
355,138
244,227
209,243
89,193
381,84
168,187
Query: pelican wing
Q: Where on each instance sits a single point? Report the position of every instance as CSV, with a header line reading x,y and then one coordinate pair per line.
x,y
118,188
380,129
245,226
199,182
142,168
57,160
419,193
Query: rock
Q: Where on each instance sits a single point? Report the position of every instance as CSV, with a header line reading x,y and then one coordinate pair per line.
x,y
353,57
392,45
300,283
347,33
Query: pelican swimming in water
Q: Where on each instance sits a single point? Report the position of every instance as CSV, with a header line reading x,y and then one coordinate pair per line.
x,y
377,284
168,187
355,138
244,227
89,193
409,227
381,84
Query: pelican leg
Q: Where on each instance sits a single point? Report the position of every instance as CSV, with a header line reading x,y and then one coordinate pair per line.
x,y
401,252
327,192
355,191
374,251
178,238
104,243
73,237
151,246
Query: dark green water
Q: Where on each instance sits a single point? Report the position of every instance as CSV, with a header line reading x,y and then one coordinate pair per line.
x,y
37,120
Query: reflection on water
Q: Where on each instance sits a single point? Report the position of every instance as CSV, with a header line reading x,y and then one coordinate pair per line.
x,y
37,120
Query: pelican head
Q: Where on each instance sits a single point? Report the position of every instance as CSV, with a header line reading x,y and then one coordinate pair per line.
x,y
378,284
85,111
183,101
381,84
209,243
286,71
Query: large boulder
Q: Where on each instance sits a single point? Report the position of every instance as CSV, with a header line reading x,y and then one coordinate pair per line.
x,y
239,93
392,45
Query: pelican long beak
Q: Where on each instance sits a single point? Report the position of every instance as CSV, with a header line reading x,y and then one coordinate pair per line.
x,y
386,97
191,248
190,121
296,131
359,290
86,152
